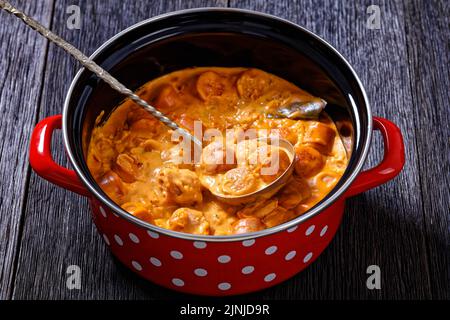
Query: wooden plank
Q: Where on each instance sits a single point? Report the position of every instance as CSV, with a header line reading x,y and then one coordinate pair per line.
x,y
427,32
385,225
58,230
21,65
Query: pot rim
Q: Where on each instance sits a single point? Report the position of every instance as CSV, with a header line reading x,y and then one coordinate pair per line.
x,y
229,238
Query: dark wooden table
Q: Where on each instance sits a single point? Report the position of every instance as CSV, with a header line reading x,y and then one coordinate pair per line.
x,y
403,226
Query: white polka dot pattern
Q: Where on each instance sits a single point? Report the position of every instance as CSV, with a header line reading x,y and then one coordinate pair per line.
x,y
307,257
102,211
136,265
270,277
178,282
118,240
224,259
248,243
248,269
200,244
224,286
271,250
290,255
310,230
200,272
176,254
106,239
152,234
323,231
155,261
134,238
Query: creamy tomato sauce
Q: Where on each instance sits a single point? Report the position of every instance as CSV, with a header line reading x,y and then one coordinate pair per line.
x,y
131,154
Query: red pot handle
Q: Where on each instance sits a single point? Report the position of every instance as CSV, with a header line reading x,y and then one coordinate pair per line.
x,y
390,166
41,159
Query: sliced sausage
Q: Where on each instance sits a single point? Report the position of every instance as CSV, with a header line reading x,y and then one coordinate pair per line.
x,y
239,181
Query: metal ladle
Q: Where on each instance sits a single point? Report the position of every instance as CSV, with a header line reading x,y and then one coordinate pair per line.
x,y
116,85
95,68
270,189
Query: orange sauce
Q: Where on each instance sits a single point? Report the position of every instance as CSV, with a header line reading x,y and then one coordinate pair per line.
x,y
131,154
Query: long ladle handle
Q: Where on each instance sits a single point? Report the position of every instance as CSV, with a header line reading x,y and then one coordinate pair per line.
x,y
95,68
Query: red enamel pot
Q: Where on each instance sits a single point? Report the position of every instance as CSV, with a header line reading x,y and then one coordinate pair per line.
x,y
218,265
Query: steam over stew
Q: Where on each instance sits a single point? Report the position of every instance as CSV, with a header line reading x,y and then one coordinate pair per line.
x,y
134,159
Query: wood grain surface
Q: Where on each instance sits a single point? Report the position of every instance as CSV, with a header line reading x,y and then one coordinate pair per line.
x,y
22,65
428,34
402,226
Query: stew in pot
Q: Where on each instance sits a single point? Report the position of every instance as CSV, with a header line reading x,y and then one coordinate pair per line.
x,y
139,164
